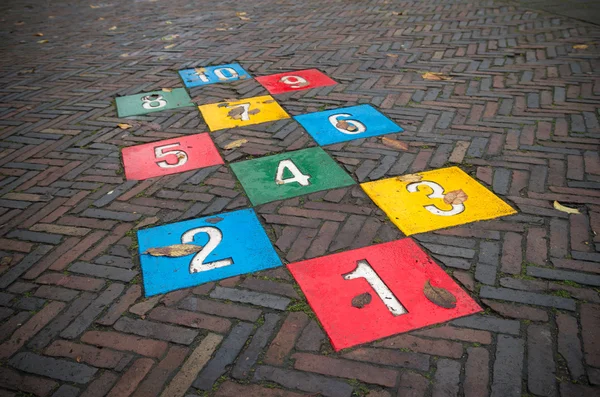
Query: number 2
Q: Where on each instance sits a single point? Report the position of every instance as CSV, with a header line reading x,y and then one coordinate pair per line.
x,y
160,152
360,127
364,270
298,176
214,238
438,193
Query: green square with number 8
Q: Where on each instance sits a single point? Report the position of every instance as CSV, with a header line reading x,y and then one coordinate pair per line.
x,y
290,174
155,101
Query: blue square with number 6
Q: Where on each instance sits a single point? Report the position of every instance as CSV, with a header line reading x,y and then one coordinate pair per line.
x,y
217,247
346,124
213,74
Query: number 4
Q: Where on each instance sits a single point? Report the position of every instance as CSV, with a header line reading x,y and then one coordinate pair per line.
x,y
298,176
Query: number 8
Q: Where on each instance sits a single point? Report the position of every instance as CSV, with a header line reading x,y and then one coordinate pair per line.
x,y
150,99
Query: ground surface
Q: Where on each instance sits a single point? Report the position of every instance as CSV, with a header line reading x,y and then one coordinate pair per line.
x,y
520,114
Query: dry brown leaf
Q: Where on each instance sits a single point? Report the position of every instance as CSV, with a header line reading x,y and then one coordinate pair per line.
x,y
100,19
113,28
92,6
394,143
43,41
580,46
344,125
39,34
86,45
167,89
397,12
175,250
19,23
78,359
235,144
392,55
124,126
455,197
440,296
269,101
562,208
244,18
410,178
253,111
221,29
214,220
240,14
362,300
236,112
435,76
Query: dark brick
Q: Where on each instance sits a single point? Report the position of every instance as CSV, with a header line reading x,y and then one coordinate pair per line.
x,y
447,378
155,380
590,324
150,329
562,275
13,380
477,372
540,361
229,389
66,391
569,345
285,339
489,323
189,319
303,381
412,385
254,298
508,367
36,237
260,339
102,358
113,215
17,270
117,309
527,297
312,337
53,368
390,357
58,293
118,341
130,379
272,287
220,309
428,346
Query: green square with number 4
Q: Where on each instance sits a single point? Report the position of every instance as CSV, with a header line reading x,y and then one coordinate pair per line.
x,y
290,174
155,101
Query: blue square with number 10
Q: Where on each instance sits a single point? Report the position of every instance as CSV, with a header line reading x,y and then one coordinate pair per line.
x,y
213,74
346,124
233,243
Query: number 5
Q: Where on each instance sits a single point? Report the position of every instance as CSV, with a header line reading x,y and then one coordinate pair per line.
x,y
359,127
438,193
159,152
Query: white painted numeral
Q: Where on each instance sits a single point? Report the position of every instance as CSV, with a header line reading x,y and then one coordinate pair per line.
x,y
246,106
160,152
221,76
438,193
153,101
364,270
298,176
359,127
202,77
294,81
214,238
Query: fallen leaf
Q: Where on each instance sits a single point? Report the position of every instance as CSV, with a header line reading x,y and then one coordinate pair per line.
x,y
236,112
167,89
78,359
344,125
100,19
254,111
124,55
240,14
392,55
580,46
235,144
568,210
394,143
214,220
92,6
124,126
410,178
221,29
19,23
175,250
168,23
362,300
170,37
269,101
397,12
244,18
113,28
169,46
435,76
455,197
39,34
440,296
86,45
43,41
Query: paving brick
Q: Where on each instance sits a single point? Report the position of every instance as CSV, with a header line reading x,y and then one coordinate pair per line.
x,y
463,334
53,368
540,362
229,350
233,389
412,385
272,287
120,307
508,367
427,346
220,309
303,381
516,311
74,282
489,323
157,377
189,319
590,323
259,340
13,380
254,298
102,358
160,331
66,391
118,341
285,339
57,293
311,338
390,357
476,372
447,378
527,297
562,275
569,345
130,379
17,270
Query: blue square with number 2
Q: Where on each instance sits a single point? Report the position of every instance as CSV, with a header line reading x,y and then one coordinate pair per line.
x,y
213,74
233,243
346,124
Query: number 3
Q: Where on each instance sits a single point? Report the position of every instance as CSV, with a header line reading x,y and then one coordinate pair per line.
x,y
160,152
438,193
214,238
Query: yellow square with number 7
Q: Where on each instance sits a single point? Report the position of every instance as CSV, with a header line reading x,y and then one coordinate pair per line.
x,y
432,200
256,110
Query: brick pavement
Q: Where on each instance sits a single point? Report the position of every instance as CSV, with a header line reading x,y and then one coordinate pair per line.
x,y
520,114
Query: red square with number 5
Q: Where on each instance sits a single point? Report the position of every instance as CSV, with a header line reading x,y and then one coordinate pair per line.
x,y
378,291
170,156
295,81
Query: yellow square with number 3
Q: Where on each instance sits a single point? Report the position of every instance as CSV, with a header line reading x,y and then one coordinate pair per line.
x,y
241,113
432,200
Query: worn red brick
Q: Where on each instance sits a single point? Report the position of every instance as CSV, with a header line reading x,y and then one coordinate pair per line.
x,y
74,253
130,379
477,372
434,347
155,380
463,334
230,389
117,309
190,319
512,255
517,311
103,358
590,333
125,342
283,343
537,251
74,282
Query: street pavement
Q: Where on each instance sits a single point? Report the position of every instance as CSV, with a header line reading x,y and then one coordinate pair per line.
x,y
452,249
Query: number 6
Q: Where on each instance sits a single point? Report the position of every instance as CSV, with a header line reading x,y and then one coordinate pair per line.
x,y
360,127
159,152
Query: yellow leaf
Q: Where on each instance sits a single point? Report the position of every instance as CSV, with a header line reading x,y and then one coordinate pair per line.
x,y
168,22
235,144
221,29
170,37
113,28
124,126
435,76
394,143
580,46
91,6
39,34
392,55
100,19
175,250
410,178
568,210
167,89
170,46
124,55
200,70
240,14
244,18
43,41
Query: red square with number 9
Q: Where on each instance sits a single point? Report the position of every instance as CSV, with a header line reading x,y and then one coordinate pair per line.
x,y
378,291
295,81
170,156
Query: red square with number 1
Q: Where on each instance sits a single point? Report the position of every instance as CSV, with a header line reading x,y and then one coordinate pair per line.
x,y
378,291
295,81
170,156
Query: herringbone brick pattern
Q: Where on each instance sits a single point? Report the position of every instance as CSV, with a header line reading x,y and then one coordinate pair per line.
x,y
520,114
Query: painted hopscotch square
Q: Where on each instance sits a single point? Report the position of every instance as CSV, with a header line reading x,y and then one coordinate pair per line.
x,y
434,200
374,292
346,124
256,110
155,101
170,156
290,174
213,74
295,81
233,243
